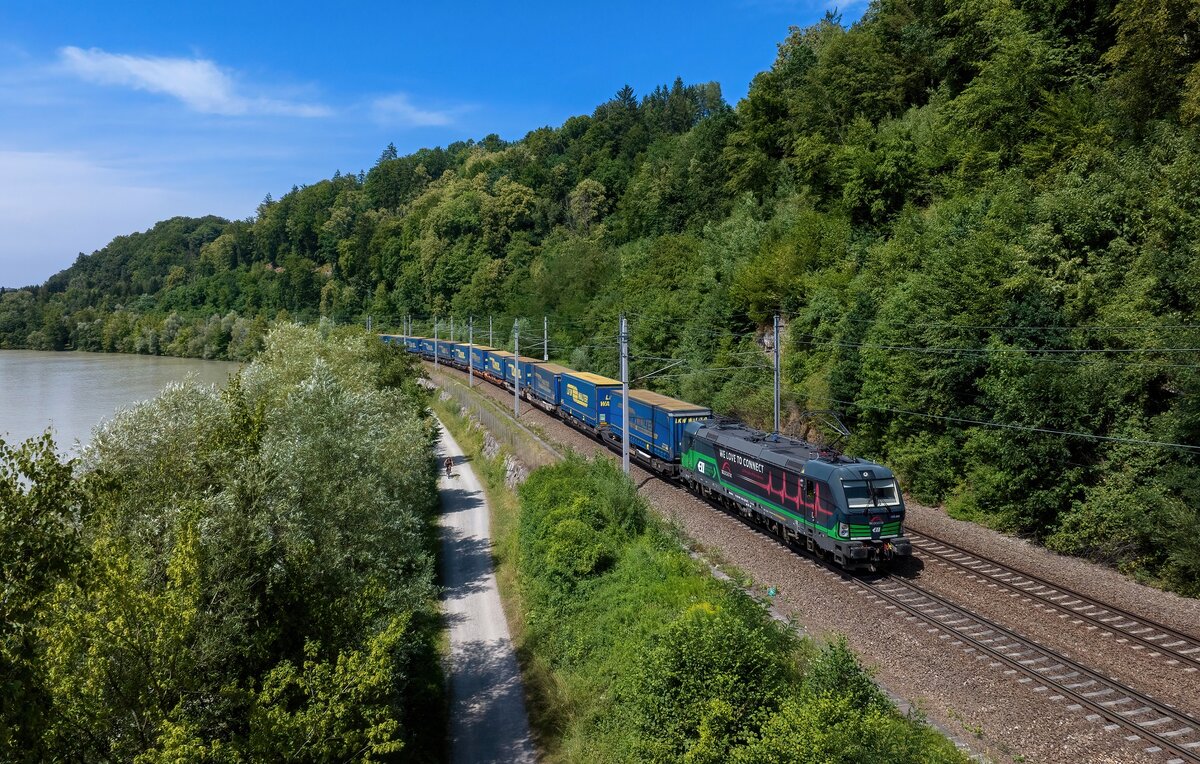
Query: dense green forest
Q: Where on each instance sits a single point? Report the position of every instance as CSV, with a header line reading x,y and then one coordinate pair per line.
x,y
979,220
230,575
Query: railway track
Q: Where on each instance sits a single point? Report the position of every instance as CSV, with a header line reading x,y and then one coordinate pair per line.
x,y
1181,651
1166,729
1162,728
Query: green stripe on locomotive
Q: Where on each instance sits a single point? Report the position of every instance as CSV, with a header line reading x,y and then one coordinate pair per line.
x,y
887,530
693,457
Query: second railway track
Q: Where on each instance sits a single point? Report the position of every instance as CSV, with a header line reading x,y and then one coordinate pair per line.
x,y
1166,729
1180,650
1157,728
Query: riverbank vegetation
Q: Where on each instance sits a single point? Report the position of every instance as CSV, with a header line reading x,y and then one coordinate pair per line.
x,y
231,575
979,220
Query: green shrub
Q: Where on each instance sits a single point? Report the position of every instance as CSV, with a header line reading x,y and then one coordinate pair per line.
x,y
833,728
836,670
652,659
575,550
707,678
255,578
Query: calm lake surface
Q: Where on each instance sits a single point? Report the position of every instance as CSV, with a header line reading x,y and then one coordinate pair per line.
x,y
73,392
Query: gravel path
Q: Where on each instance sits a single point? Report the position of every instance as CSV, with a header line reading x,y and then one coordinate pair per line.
x,y
997,715
487,703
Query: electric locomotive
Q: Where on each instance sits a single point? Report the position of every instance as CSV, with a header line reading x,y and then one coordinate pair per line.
x,y
841,507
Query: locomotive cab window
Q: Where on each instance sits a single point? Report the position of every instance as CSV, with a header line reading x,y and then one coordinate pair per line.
x,y
864,494
810,490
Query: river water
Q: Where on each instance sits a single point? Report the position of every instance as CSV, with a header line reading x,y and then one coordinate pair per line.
x,y
73,392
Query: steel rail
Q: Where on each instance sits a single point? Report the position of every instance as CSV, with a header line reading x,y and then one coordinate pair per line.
x,y
1165,728
1171,643
1105,697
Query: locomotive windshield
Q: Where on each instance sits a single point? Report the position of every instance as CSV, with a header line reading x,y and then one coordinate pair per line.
x,y
865,494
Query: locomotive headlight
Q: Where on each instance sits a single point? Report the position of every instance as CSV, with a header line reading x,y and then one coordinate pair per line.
x,y
843,530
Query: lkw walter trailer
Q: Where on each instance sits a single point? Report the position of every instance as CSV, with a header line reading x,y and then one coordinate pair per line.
x,y
656,426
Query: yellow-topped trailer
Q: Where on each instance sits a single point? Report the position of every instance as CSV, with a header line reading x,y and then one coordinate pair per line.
x,y
585,398
656,423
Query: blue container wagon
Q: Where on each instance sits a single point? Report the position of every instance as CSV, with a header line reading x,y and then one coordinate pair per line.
x,y
543,384
496,362
524,363
584,396
445,351
656,423
479,358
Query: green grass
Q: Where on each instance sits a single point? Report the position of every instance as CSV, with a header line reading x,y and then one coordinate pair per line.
x,y
655,660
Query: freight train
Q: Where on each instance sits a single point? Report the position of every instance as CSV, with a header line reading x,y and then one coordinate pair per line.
x,y
838,507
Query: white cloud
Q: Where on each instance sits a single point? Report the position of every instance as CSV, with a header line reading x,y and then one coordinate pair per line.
x,y
197,82
69,203
397,109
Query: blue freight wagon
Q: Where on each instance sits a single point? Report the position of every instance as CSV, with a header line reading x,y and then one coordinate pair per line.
x,y
479,356
525,363
459,354
412,344
494,368
390,339
656,425
585,397
445,351
543,384
427,347
478,359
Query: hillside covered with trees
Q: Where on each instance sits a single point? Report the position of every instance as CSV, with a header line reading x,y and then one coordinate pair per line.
x,y
979,220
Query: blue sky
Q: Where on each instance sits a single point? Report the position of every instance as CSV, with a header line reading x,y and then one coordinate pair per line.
x,y
116,115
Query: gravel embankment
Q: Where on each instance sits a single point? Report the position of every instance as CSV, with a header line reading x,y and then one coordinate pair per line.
x,y
995,714
1112,655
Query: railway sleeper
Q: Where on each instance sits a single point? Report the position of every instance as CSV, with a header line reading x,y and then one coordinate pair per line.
x,y
1157,722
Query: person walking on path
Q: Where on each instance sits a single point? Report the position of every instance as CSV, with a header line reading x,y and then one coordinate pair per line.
x,y
488,722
